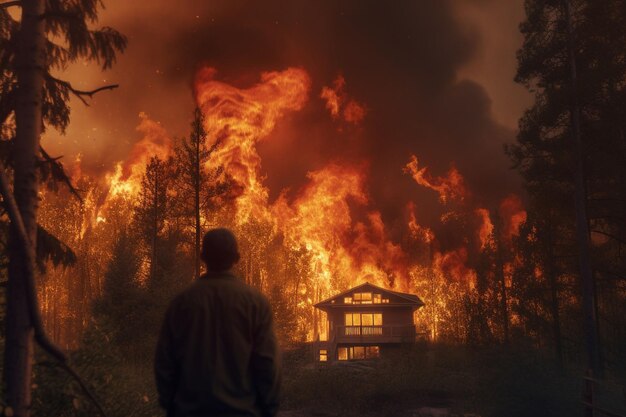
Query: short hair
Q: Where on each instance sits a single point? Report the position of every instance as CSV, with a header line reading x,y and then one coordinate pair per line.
x,y
219,250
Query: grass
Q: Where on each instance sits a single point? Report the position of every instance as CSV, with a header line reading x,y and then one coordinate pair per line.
x,y
488,381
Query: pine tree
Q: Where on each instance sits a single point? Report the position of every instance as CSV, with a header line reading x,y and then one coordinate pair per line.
x,y
31,96
197,184
152,209
571,143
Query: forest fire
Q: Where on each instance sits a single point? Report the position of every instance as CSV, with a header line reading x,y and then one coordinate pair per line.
x,y
382,183
328,231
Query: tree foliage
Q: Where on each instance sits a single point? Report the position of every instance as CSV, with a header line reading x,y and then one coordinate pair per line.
x,y
544,155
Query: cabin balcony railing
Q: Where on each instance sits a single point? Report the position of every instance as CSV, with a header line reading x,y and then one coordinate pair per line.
x,y
391,334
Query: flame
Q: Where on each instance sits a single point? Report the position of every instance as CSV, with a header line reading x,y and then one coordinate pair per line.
x,y
513,216
343,252
155,142
453,264
486,227
328,231
337,100
239,119
418,231
450,188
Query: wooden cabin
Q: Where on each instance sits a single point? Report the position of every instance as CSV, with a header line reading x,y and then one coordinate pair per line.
x,y
365,322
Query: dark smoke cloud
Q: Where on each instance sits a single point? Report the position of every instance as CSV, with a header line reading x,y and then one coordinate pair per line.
x,y
400,58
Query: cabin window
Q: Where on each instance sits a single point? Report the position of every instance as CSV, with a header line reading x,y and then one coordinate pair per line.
x,y
363,319
377,298
363,298
323,355
357,352
347,300
372,352
353,319
385,300
363,324
342,354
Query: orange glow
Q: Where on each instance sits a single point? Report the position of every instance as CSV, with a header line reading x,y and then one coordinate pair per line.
x,y
486,227
453,265
513,215
343,252
450,188
240,118
418,231
337,100
155,142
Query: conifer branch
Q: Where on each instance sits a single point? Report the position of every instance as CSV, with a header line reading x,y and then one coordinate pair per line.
x,y
59,172
33,303
80,94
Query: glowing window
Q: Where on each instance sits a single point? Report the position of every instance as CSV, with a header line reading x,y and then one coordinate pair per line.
x,y
323,355
377,298
342,354
372,352
347,300
363,319
385,300
359,352
362,298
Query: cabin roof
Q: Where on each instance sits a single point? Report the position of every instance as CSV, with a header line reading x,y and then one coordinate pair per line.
x,y
407,299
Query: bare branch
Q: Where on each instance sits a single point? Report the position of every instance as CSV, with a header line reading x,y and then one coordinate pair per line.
x,y
33,303
59,171
8,4
80,94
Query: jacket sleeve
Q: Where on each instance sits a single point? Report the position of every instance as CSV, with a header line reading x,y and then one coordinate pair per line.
x,y
165,365
265,363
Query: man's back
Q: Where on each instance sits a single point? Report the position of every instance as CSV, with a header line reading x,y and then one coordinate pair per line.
x,y
216,354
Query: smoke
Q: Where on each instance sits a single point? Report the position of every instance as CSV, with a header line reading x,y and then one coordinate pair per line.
x,y
399,61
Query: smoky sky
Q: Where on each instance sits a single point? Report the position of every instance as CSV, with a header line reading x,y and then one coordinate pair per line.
x,y
399,58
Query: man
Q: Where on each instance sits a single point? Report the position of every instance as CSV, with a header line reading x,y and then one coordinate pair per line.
x,y
217,353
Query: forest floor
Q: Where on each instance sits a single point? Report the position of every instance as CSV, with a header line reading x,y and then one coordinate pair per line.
x,y
433,381
420,381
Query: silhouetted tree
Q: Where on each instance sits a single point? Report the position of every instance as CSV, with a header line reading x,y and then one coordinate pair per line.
x,y
571,143
31,97
197,184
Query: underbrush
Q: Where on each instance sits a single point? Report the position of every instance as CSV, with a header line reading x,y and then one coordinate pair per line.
x,y
489,382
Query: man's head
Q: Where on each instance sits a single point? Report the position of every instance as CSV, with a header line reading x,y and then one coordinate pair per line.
x,y
219,250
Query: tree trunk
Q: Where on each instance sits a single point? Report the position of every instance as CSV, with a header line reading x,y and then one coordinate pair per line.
x,y
155,225
30,61
504,311
197,202
554,300
580,197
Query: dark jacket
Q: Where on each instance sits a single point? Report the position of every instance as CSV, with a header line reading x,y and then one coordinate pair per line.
x,y
217,352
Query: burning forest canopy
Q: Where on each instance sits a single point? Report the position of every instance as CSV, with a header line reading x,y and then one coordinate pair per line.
x,y
322,236
335,158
